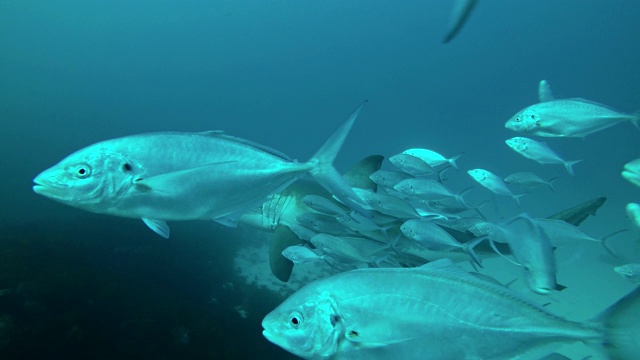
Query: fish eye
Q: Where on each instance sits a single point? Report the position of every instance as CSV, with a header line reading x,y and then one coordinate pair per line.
x,y
126,167
82,171
518,119
295,320
533,116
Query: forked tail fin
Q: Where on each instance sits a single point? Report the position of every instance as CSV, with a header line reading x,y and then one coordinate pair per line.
x,y
326,174
622,327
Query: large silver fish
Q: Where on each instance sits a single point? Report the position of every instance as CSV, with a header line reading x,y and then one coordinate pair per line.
x,y
186,176
436,311
565,117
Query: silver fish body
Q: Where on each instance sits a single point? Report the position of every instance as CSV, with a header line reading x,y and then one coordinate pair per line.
x,y
300,254
493,182
431,157
566,118
436,311
539,152
529,180
185,176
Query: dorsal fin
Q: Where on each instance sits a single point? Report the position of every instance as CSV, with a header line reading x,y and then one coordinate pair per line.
x,y
544,92
220,134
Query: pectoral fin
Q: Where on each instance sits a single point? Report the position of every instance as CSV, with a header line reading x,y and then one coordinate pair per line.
x,y
160,227
174,181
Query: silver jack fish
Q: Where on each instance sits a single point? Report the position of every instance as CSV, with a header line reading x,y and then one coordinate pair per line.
x,y
539,152
186,176
565,117
436,311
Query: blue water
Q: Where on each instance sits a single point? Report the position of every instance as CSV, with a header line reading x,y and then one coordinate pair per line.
x,y
284,73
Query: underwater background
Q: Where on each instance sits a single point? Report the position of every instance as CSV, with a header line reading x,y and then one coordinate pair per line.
x,y
286,74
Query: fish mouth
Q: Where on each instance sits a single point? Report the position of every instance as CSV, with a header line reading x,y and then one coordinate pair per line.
x,y
631,176
46,189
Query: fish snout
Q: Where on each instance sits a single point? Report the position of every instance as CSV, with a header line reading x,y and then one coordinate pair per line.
x,y
46,184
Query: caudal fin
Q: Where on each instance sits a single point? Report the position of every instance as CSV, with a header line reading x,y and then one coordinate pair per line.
x,y
622,327
569,166
635,119
326,174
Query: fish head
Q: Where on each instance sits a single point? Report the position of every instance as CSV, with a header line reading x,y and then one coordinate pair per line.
x,y
408,228
631,172
517,143
307,324
539,279
477,174
405,187
91,179
625,271
398,160
526,120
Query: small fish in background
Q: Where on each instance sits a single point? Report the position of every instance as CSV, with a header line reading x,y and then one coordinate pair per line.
x,y
630,272
432,158
539,152
494,183
461,11
561,233
531,248
573,117
412,165
633,212
341,250
322,205
426,189
322,223
389,178
631,172
529,180
300,254
389,205
433,237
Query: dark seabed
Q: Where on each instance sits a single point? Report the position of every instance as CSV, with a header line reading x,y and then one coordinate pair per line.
x,y
286,74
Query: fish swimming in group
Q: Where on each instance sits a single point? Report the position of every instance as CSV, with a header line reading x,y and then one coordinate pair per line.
x,y
631,172
300,254
532,250
280,212
159,177
565,117
494,183
412,165
630,272
539,152
437,310
529,180
431,157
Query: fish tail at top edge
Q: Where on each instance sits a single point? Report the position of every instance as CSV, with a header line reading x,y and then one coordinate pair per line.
x,y
327,175
621,339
